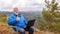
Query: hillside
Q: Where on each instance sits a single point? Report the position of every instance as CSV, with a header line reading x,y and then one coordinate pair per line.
x,y
5,29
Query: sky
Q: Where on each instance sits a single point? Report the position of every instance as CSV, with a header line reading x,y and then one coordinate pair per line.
x,y
23,5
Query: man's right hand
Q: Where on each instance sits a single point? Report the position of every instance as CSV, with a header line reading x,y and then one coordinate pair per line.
x,y
17,19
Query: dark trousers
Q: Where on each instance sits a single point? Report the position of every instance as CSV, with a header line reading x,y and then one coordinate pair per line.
x,y
22,30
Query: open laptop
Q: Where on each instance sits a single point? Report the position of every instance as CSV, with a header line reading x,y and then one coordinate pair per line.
x,y
30,23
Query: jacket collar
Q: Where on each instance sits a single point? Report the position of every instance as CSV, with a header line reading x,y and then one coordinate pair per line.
x,y
19,15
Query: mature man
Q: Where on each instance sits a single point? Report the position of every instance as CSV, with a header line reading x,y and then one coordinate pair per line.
x,y
16,19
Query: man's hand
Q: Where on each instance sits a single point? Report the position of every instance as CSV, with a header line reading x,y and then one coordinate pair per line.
x,y
17,18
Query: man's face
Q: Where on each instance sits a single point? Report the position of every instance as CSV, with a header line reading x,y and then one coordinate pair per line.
x,y
16,10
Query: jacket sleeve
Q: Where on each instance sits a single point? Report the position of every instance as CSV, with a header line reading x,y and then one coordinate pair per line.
x,y
11,20
25,21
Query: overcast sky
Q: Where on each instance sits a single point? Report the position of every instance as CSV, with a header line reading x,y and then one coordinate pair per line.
x,y
25,5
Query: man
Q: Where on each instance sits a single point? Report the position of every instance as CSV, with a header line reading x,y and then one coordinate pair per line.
x,y
17,20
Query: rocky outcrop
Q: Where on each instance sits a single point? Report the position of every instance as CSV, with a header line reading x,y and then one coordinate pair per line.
x,y
5,29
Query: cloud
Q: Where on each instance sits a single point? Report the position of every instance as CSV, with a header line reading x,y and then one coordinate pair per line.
x,y
58,1
21,4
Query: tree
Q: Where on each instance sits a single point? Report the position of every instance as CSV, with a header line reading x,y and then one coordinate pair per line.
x,y
50,13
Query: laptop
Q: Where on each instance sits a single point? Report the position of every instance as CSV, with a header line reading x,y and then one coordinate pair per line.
x,y
30,23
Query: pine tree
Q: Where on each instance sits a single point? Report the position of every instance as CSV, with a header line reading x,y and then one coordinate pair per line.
x,y
50,12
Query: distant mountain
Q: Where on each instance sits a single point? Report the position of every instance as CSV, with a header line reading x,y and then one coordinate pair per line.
x,y
28,15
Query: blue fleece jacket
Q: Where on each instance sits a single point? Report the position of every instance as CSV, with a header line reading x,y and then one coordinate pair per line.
x,y
21,23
